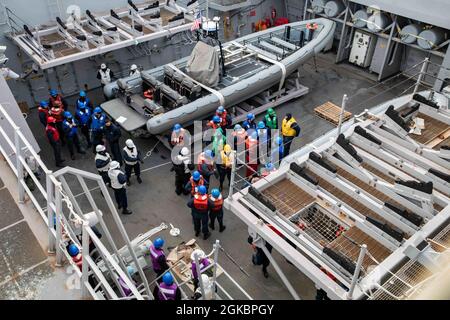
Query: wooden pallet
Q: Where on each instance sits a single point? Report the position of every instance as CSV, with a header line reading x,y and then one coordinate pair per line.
x,y
330,112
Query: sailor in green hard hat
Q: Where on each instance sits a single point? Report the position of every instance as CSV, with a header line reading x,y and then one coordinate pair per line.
x,y
271,119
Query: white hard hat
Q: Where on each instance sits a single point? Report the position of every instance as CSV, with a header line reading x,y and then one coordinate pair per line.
x,y
199,253
184,151
103,66
133,67
114,165
129,143
100,148
205,281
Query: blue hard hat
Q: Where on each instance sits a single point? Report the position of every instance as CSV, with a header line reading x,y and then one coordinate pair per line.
x,y
167,279
43,103
202,190
221,109
67,115
209,154
158,243
73,250
279,140
261,125
82,94
216,119
53,93
250,116
98,110
215,193
270,166
130,270
237,127
196,176
177,127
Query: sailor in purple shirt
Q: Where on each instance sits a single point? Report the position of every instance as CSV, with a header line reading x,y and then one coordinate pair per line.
x,y
125,288
204,263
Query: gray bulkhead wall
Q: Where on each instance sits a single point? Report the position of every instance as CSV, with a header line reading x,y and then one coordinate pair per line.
x,y
73,77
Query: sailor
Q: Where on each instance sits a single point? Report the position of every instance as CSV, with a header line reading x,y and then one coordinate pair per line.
x,y
194,183
134,71
271,119
259,257
54,139
57,99
167,290
70,127
205,164
57,112
98,122
83,101
158,257
182,166
268,169
208,288
105,75
250,122
219,140
203,264
102,162
126,290
76,255
113,135
252,155
132,158
263,138
225,165
226,120
216,210
118,183
290,130
240,138
200,205
84,117
215,123
178,136
43,112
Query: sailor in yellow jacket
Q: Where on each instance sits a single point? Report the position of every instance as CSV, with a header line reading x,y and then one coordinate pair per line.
x,y
290,130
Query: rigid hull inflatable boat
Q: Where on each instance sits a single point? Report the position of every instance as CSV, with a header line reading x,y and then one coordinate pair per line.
x,y
252,65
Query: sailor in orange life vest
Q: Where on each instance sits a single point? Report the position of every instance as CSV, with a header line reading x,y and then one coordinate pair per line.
x,y
74,252
178,135
216,211
54,140
167,289
158,257
252,155
200,205
194,183
215,123
226,121
57,112
57,99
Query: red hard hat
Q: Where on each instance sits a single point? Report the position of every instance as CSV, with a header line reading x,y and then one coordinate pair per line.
x,y
51,120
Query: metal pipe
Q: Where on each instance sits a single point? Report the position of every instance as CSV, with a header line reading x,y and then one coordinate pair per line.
x,y
216,265
423,71
19,166
58,212
341,115
233,176
359,263
199,276
85,265
50,212
278,269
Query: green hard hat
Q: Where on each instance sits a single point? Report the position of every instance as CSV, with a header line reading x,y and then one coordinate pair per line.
x,y
271,111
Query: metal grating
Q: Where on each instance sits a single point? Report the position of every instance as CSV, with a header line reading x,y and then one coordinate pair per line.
x,y
288,198
349,244
399,285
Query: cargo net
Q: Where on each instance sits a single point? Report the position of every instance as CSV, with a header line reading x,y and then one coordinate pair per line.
x,y
318,225
412,276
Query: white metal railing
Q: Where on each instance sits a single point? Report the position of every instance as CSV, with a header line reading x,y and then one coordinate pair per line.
x,y
62,230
